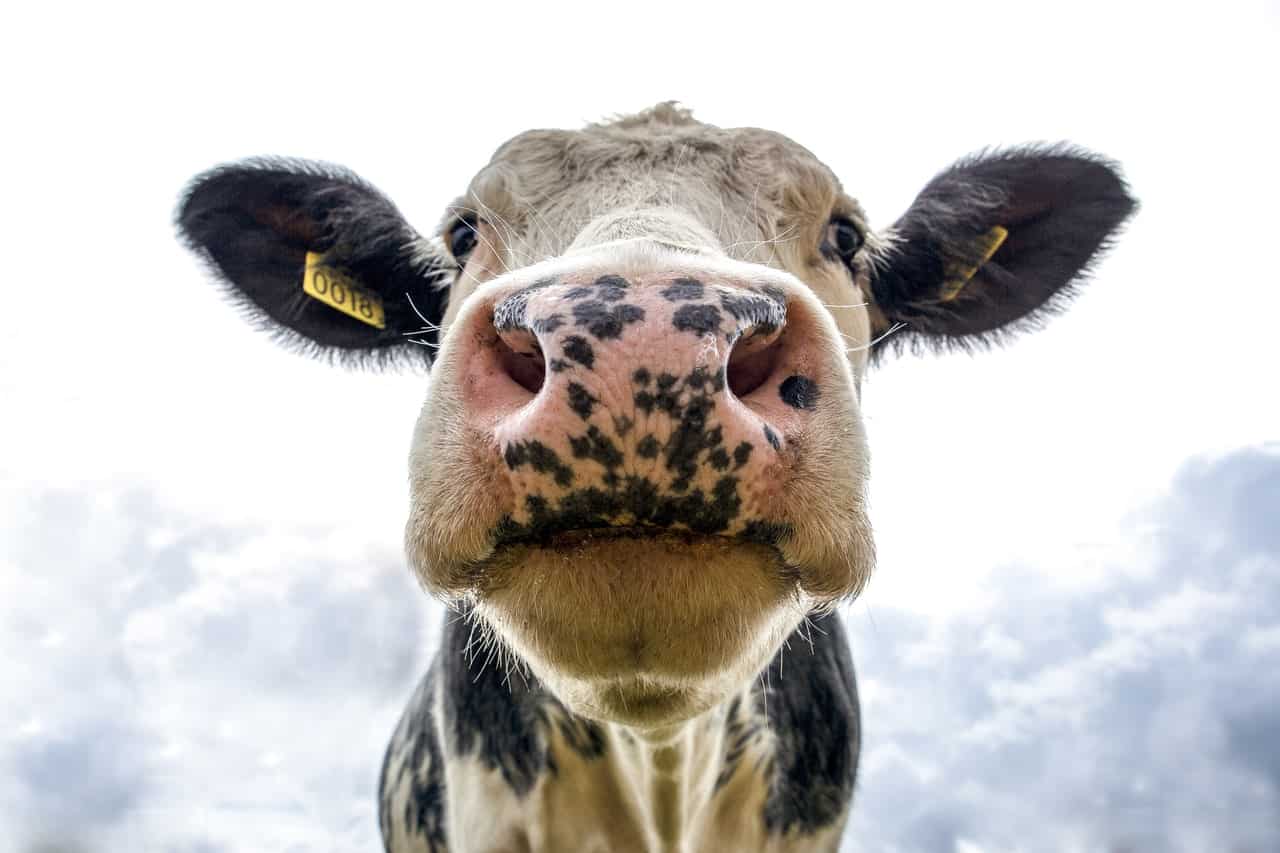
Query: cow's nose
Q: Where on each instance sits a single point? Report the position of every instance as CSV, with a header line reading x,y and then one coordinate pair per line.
x,y
659,402
685,328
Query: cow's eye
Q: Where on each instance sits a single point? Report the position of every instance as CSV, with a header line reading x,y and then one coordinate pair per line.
x,y
461,238
842,240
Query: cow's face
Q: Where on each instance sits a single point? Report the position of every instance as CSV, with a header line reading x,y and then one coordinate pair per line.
x,y
641,459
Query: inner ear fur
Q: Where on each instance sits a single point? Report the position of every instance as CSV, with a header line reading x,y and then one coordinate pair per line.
x,y
254,222
995,244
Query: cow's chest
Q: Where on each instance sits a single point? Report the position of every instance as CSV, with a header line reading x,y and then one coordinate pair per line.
x,y
482,762
599,805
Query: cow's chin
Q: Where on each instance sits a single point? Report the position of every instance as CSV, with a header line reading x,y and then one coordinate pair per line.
x,y
647,631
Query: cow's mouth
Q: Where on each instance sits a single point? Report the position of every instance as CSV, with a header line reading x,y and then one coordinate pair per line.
x,y
605,548
639,623
757,533
586,535
569,538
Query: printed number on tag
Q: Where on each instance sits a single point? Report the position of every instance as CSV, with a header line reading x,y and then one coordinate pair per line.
x,y
337,290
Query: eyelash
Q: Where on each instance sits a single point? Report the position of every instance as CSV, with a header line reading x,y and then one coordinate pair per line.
x,y
464,231
840,230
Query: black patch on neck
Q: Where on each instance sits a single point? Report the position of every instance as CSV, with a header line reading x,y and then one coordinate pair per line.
x,y
810,700
416,749
503,720
741,727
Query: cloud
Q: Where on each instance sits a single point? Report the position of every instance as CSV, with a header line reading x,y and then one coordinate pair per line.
x,y
1135,712
195,686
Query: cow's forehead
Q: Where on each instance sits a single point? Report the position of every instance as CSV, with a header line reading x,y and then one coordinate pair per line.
x,y
745,183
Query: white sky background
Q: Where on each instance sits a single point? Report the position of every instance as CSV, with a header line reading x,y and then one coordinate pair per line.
x,y
142,419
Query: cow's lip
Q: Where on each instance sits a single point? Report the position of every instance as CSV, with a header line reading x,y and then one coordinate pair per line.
x,y
575,537
586,535
586,543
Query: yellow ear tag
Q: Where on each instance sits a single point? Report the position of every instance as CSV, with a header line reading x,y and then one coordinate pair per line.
x,y
991,243
337,290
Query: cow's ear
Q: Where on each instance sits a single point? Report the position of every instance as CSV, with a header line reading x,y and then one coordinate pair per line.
x,y
319,258
994,244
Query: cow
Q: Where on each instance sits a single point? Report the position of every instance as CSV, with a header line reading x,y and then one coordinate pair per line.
x,y
639,475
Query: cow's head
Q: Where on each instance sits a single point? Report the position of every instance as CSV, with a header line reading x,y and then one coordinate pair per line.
x,y
641,459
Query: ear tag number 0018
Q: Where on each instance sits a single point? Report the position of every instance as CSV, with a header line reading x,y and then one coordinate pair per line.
x,y
337,290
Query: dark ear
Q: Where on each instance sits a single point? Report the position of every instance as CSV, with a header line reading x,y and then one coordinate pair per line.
x,y
995,243
265,225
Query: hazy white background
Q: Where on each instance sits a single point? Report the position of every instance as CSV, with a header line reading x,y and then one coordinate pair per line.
x,y
206,629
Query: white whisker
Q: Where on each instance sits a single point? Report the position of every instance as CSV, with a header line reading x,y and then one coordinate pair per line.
x,y
430,325
895,327
771,241
494,221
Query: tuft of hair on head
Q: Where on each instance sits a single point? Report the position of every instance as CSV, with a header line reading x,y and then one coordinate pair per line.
x,y
670,113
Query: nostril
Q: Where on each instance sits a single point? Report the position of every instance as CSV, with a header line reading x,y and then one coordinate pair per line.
x,y
751,363
521,358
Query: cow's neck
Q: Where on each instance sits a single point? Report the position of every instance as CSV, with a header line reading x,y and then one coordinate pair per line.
x,y
647,789
775,761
